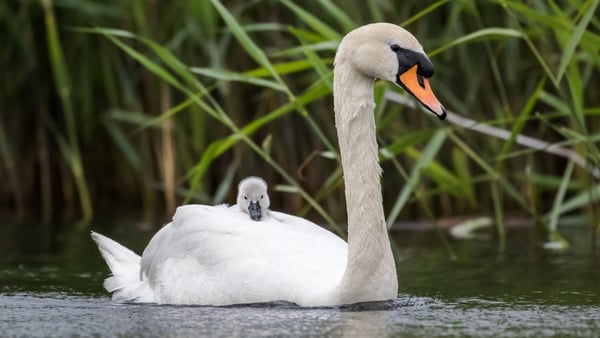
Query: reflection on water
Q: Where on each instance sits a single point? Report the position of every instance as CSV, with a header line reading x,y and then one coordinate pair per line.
x,y
50,285
63,315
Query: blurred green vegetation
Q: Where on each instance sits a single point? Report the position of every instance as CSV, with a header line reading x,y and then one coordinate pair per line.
x,y
119,106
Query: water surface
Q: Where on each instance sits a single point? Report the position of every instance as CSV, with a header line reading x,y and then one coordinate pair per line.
x,y
50,285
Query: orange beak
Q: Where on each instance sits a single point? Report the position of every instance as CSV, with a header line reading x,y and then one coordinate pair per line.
x,y
418,86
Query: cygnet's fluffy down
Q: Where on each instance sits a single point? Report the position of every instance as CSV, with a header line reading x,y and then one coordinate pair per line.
x,y
252,197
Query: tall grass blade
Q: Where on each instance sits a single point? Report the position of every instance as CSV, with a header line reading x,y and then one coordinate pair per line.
x,y
242,37
70,147
590,196
522,118
556,241
481,34
123,143
432,148
424,12
589,10
226,75
576,88
339,15
316,62
313,22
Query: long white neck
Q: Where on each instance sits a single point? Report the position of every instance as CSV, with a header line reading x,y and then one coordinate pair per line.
x,y
370,271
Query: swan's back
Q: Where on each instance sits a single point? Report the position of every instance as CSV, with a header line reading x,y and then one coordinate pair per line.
x,y
219,256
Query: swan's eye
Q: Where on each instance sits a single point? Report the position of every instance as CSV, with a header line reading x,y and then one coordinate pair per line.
x,y
395,48
246,198
261,197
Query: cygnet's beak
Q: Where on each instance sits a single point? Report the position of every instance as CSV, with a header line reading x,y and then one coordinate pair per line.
x,y
418,86
255,211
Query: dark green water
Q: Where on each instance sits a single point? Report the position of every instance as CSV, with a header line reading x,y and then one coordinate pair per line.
x,y
50,285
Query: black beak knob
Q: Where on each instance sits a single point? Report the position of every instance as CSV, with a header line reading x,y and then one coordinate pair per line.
x,y
255,211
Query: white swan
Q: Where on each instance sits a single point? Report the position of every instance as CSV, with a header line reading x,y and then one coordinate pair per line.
x,y
215,256
252,198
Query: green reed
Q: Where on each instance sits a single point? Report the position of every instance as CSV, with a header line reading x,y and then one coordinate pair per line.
x,y
69,144
153,104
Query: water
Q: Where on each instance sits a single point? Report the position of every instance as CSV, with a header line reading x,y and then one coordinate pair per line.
x,y
50,285
62,315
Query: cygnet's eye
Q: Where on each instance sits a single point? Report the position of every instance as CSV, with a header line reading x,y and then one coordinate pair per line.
x,y
395,48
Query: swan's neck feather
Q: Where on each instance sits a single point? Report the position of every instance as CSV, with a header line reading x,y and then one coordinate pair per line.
x,y
370,272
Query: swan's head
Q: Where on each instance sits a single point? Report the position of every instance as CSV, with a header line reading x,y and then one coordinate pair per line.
x,y
252,197
389,52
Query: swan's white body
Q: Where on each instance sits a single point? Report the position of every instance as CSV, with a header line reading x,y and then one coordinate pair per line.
x,y
217,256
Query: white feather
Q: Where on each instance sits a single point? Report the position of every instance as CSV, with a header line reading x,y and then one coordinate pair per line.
x,y
125,283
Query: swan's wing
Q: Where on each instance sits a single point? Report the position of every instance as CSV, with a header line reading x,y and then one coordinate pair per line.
x,y
219,256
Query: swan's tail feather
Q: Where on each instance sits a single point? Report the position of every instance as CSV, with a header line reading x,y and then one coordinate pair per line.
x,y
125,283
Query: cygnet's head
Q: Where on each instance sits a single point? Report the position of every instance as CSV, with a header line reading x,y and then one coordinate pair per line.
x,y
252,197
